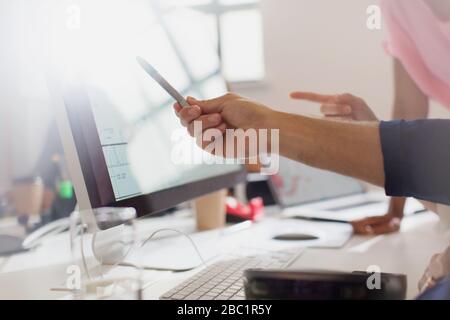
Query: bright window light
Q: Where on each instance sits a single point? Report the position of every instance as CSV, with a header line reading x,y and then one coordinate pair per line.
x,y
237,2
200,61
241,45
238,33
183,3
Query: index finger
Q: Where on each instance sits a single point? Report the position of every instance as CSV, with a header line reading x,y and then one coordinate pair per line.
x,y
189,114
214,105
177,108
311,96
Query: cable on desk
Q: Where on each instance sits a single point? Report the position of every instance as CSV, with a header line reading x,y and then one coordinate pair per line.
x,y
143,243
181,233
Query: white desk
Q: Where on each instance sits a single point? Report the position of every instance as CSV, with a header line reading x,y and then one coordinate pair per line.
x,y
26,276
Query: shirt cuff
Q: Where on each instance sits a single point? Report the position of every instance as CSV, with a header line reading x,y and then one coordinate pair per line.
x,y
395,167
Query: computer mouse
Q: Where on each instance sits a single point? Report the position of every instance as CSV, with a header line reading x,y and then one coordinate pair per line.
x,y
295,237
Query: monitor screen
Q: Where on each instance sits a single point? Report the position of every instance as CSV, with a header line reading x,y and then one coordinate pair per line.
x,y
298,183
145,148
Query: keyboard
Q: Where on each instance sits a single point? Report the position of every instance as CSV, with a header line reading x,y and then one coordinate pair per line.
x,y
223,280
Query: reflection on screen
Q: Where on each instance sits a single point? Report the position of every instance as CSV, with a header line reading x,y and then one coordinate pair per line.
x,y
134,116
297,183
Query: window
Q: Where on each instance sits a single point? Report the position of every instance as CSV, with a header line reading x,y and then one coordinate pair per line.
x,y
237,31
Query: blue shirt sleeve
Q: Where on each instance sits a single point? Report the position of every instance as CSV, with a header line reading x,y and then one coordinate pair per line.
x,y
417,159
441,291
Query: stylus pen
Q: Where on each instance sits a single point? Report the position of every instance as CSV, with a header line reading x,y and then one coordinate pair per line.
x,y
162,82
319,219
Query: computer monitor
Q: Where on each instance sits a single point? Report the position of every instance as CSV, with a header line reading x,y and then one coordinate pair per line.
x,y
118,126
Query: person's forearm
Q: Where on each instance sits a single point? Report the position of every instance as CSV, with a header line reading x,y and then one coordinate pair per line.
x,y
397,206
409,112
410,103
352,149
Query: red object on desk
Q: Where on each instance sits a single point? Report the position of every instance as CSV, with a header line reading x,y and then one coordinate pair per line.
x,y
240,212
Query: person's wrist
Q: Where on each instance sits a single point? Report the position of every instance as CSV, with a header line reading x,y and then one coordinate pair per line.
x,y
264,120
396,213
267,119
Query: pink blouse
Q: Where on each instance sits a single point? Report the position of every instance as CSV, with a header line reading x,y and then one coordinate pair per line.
x,y
421,41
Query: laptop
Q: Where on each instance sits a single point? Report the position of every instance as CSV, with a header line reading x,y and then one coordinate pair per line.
x,y
307,192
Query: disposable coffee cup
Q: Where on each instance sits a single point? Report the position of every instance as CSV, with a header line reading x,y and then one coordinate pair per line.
x,y
210,210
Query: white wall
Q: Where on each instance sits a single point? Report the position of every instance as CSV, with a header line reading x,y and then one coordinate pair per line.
x,y
324,46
